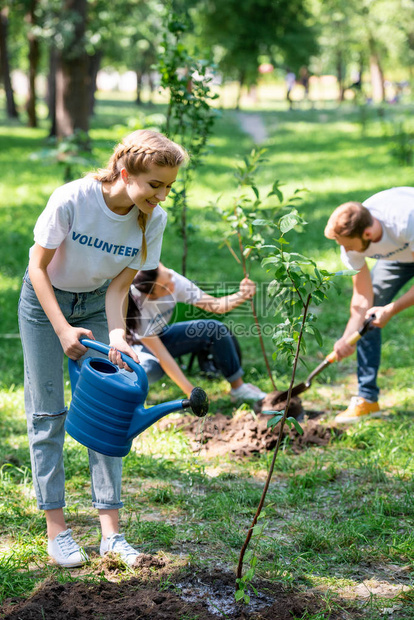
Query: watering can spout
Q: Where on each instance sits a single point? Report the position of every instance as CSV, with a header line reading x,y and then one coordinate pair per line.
x,y
143,418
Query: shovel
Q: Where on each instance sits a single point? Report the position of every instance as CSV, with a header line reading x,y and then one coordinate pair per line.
x,y
302,387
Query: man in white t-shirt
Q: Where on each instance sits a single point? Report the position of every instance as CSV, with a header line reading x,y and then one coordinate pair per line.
x,y
382,227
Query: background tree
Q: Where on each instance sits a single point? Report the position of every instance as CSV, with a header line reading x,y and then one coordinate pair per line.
x,y
131,42
190,117
372,35
5,64
72,110
34,56
242,33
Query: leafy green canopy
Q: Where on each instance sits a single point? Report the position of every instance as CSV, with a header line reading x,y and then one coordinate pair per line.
x,y
244,32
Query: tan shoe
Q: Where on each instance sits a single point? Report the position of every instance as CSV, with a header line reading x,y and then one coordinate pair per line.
x,y
359,409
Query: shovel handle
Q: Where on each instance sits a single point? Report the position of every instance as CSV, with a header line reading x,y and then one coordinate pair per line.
x,y
353,338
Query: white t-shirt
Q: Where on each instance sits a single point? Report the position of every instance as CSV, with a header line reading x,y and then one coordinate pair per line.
x,y
394,209
155,314
93,243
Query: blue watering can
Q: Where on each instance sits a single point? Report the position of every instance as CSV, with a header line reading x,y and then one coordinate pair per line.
x,y
107,409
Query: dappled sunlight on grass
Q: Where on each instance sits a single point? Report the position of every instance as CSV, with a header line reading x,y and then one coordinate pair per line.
x,y
340,516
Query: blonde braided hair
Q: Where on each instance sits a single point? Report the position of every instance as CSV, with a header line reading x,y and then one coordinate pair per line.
x,y
137,153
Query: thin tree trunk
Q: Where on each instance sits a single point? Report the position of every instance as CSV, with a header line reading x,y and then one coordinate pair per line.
x,y
34,53
340,76
139,75
377,76
184,235
254,313
242,78
377,79
5,66
51,91
239,572
94,66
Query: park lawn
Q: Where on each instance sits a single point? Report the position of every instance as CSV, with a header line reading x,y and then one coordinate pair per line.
x,y
340,516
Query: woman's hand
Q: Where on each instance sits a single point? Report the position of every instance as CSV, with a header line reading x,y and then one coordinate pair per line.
x,y
119,345
247,288
70,340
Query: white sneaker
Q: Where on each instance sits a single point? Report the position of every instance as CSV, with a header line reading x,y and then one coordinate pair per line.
x,y
65,551
246,393
116,543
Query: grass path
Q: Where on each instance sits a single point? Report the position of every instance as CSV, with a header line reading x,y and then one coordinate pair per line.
x,y
253,125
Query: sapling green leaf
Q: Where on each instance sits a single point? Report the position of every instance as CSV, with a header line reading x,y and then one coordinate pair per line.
x,y
276,418
292,421
249,555
319,296
311,329
239,595
300,259
261,223
288,222
271,260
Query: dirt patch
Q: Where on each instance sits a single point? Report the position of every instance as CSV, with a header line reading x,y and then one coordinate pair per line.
x,y
111,566
247,433
271,402
200,595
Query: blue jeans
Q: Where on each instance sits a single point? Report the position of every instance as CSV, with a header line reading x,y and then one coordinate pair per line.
x,y
193,337
388,277
44,396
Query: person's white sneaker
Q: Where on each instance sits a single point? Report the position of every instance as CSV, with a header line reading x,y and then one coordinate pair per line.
x,y
246,393
116,543
65,551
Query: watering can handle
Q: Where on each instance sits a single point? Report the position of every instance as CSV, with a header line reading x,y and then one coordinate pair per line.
x,y
104,348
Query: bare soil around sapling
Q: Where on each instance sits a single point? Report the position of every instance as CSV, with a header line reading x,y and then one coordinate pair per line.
x,y
186,595
247,433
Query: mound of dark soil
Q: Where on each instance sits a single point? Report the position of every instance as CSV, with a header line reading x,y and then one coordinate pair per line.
x,y
246,433
201,595
271,402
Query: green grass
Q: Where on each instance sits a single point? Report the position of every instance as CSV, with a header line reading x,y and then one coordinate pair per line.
x,y
339,515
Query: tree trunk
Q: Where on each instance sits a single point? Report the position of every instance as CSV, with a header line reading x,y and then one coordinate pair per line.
x,y
34,54
5,67
72,94
51,91
377,76
361,68
340,76
183,225
242,79
151,87
377,79
139,75
94,66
